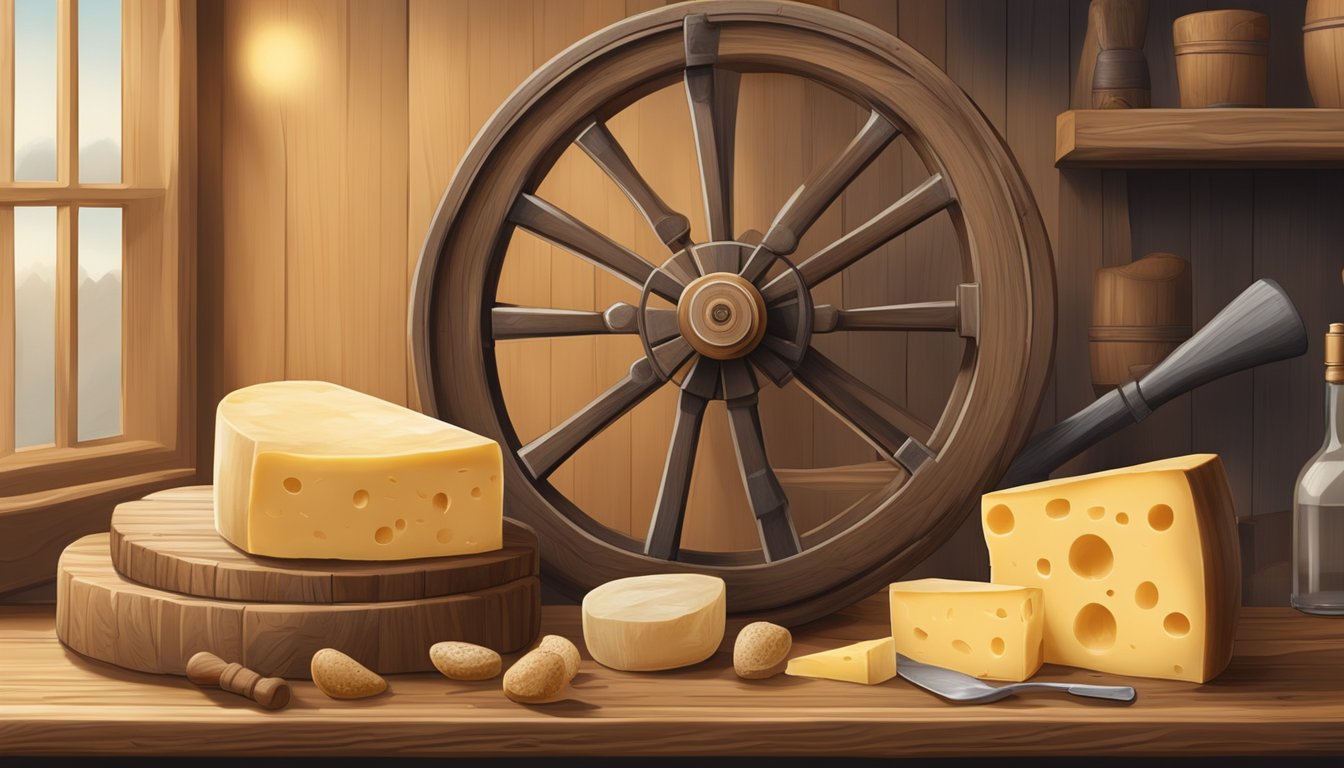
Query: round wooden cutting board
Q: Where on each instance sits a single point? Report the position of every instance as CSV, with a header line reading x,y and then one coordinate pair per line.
x,y
108,617
167,540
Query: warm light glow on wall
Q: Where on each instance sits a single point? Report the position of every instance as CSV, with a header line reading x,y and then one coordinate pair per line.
x,y
279,58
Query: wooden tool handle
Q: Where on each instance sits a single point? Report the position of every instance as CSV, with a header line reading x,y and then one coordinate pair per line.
x,y
207,669
1259,326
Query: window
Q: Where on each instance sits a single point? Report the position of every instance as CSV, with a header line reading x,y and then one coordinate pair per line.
x,y
96,220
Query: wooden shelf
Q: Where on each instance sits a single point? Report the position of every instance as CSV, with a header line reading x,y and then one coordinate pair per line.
x,y
1200,138
1282,694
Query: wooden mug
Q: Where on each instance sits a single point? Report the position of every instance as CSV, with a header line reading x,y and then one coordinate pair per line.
x,y
1222,58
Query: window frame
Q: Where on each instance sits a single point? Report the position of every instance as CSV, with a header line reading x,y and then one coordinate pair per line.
x,y
50,495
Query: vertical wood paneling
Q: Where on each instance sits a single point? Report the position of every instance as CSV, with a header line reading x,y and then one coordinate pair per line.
x,y
1297,228
251,289
1221,249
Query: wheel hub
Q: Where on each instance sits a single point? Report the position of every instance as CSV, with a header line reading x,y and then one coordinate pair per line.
x,y
722,315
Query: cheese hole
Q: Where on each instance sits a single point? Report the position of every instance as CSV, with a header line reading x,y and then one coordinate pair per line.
x,y
921,634
1096,513
476,492
441,502
1090,557
961,645
1002,614
1027,610
1177,668
1176,624
1146,595
401,524
293,484
996,646
1122,518
494,478
1094,627
391,479
419,521
1110,593
848,658
1160,517
361,499
319,534
949,613
444,535
1000,520
383,535
1043,567
1057,508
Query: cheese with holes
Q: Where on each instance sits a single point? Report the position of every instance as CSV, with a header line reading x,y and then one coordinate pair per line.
x,y
986,630
1139,566
869,662
660,621
314,470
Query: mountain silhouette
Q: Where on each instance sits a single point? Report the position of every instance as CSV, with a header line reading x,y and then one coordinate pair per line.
x,y
99,162
99,385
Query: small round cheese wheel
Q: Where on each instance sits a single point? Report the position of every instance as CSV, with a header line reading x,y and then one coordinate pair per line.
x,y
661,621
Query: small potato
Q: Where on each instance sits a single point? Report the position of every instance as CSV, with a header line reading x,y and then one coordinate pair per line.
x,y
537,678
761,650
566,650
465,661
341,677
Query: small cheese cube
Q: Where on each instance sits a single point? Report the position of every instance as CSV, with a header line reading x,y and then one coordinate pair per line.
x,y
654,622
1139,566
869,662
985,630
311,469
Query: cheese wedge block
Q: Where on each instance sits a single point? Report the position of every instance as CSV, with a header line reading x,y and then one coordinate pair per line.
x,y
1139,566
314,470
985,630
660,621
869,662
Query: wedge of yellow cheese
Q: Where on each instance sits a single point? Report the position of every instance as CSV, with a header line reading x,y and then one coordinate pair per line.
x,y
869,662
986,630
1139,566
314,470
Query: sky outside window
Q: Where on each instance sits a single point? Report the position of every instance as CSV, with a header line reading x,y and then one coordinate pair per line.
x,y
35,90
100,91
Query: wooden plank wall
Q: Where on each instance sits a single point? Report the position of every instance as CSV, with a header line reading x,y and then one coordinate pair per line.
x,y
315,201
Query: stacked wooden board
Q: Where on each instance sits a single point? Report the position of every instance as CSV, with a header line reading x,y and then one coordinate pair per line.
x,y
163,585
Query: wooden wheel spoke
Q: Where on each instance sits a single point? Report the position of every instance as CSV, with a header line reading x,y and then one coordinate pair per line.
x,y
543,455
550,223
510,322
930,197
712,95
661,325
884,424
669,512
960,315
770,506
671,227
924,316
817,193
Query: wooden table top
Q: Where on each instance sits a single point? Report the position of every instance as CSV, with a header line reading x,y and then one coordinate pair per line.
x,y
1284,693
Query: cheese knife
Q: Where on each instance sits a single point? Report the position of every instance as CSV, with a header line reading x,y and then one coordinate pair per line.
x,y
964,689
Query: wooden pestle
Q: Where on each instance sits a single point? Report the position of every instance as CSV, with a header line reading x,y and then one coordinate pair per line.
x,y
207,669
1120,78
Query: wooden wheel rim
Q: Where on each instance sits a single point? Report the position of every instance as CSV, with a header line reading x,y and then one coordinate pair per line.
x,y
1004,250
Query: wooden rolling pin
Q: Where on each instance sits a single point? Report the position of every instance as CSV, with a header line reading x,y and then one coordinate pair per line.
x,y
208,670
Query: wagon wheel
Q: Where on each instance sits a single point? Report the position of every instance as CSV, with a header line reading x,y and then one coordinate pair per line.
x,y
743,308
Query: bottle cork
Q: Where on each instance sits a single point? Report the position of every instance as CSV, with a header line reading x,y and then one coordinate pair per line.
x,y
1334,354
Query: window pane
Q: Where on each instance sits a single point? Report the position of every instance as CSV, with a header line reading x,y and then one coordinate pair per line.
x,y
35,90
100,91
99,323
34,326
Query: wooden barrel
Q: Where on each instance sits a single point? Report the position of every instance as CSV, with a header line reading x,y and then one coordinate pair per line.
x,y
1222,58
1140,313
1323,50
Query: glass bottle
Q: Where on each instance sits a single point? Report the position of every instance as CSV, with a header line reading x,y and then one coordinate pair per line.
x,y
1318,502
